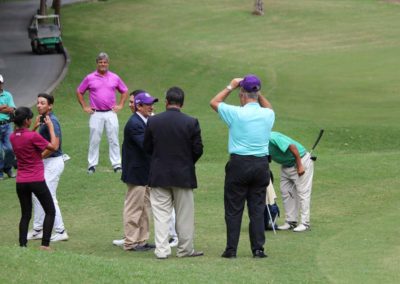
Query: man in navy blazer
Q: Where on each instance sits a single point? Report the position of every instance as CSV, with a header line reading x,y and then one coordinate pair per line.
x,y
174,141
135,173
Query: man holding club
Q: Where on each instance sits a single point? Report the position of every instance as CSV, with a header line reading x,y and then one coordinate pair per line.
x,y
297,169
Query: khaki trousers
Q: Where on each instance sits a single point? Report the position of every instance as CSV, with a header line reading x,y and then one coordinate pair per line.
x,y
163,200
136,217
296,191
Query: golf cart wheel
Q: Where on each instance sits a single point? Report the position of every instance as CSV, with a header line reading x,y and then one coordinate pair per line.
x,y
41,49
34,45
59,48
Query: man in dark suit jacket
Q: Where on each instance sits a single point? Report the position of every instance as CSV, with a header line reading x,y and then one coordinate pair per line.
x,y
135,173
174,141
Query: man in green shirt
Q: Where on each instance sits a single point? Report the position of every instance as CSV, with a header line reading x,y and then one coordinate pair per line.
x,y
297,171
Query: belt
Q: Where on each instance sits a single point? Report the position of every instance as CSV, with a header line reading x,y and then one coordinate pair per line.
x,y
102,110
4,122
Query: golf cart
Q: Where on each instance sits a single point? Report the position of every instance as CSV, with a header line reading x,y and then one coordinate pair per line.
x,y
45,34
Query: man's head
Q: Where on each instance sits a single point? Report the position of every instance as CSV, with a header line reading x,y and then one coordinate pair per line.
x,y
44,103
102,61
144,103
249,89
132,98
250,83
175,97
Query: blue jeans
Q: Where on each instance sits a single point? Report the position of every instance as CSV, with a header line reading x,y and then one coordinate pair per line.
x,y
6,162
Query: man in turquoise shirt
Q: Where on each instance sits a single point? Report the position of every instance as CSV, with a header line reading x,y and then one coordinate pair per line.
x,y
247,171
7,107
297,171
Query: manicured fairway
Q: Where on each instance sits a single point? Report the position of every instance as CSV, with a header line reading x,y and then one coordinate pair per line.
x,y
324,64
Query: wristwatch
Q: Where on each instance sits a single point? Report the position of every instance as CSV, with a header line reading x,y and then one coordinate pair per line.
x,y
229,87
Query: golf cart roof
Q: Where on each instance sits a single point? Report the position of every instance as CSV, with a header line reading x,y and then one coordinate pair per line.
x,y
46,16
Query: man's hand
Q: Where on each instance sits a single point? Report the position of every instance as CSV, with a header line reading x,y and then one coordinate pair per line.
x,y
300,170
117,108
37,122
88,109
235,83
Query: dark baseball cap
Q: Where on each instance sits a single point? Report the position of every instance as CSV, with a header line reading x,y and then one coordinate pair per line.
x,y
145,99
251,83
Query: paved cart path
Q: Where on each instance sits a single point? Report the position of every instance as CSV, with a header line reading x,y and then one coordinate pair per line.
x,y
25,74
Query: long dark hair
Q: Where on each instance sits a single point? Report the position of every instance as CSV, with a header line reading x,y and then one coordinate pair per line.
x,y
21,114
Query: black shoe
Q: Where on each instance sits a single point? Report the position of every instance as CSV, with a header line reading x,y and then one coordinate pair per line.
x,y
150,246
117,170
259,254
228,254
141,248
91,170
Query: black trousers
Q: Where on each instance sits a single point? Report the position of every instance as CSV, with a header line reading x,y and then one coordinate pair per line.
x,y
24,192
246,179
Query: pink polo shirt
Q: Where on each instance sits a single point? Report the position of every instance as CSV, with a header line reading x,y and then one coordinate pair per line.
x,y
28,147
102,89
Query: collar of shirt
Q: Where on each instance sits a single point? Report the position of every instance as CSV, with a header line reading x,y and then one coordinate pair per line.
x,y
142,117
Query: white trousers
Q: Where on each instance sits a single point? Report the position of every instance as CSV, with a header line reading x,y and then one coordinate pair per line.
x,y
296,191
53,168
97,122
163,200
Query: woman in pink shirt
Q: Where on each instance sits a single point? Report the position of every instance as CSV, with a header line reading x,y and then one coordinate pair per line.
x,y
28,147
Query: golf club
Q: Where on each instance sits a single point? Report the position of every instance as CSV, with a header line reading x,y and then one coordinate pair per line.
x,y
321,132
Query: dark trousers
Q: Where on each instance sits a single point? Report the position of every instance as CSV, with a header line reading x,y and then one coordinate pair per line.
x,y
246,179
24,192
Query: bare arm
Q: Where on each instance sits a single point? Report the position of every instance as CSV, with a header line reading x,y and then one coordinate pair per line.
x,y
299,165
222,95
6,109
264,102
82,102
121,104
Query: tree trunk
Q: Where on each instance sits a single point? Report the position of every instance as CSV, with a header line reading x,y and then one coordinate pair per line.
x,y
42,9
56,6
258,7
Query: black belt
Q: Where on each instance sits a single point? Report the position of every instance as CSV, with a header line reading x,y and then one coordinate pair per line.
x,y
4,122
102,110
236,156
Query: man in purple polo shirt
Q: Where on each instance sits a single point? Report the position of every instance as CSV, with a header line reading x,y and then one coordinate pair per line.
x,y
102,85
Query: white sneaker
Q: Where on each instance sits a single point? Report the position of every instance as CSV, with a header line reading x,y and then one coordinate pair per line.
x,y
119,243
35,235
301,228
173,242
56,237
286,226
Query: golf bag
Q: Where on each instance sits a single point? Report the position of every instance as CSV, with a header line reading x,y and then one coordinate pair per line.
x,y
271,208
275,213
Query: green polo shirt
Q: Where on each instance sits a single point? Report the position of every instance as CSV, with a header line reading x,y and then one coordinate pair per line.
x,y
279,149
6,99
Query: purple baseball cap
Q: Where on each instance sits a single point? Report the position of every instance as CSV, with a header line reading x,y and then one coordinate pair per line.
x,y
145,99
251,83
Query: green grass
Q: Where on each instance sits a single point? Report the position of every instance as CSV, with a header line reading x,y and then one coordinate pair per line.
x,y
324,64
